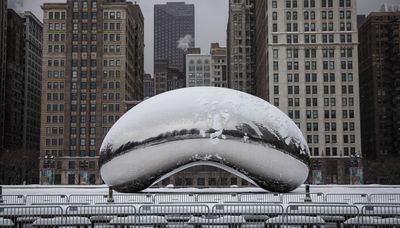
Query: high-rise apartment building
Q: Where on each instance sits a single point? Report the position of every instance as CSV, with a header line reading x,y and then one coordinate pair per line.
x,y
173,32
219,70
19,157
241,46
33,35
92,70
379,57
312,75
3,66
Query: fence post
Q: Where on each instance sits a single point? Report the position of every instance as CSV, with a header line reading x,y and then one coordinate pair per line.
x,y
110,195
308,196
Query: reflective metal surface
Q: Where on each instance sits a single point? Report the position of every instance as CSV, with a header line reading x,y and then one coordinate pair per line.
x,y
221,127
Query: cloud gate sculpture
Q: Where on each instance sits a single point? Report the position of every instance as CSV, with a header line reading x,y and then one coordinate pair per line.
x,y
219,127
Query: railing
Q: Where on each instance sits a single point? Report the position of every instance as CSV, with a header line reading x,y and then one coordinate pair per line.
x,y
208,198
201,215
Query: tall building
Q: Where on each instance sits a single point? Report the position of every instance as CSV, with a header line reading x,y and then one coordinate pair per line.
x,y
219,69
241,46
19,157
173,32
3,66
312,75
33,35
379,56
92,72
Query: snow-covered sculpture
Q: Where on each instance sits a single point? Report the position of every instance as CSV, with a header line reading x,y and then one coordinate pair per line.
x,y
238,132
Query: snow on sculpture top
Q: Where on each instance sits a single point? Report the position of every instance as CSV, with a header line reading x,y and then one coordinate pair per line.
x,y
215,115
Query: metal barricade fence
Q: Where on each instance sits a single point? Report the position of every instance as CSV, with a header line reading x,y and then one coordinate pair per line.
x,y
134,198
218,198
46,199
28,216
175,198
12,200
377,216
88,199
303,197
171,215
242,215
260,198
385,198
330,215
106,215
347,198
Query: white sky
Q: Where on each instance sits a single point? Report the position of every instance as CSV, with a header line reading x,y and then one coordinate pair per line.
x,y
211,19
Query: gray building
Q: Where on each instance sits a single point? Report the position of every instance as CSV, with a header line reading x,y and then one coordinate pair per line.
x,y
379,57
3,66
174,32
19,157
241,46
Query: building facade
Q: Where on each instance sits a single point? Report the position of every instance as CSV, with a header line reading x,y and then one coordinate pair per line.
x,y
3,66
149,86
312,75
379,56
92,69
19,157
241,46
219,67
173,32
198,70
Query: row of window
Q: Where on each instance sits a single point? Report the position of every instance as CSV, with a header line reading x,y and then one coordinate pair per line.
x,y
54,119
310,27
56,26
83,142
311,15
56,48
55,96
56,63
84,4
55,85
55,15
312,65
55,74
331,139
347,126
347,151
112,15
56,37
83,131
55,142
328,114
55,108
54,131
290,4
111,108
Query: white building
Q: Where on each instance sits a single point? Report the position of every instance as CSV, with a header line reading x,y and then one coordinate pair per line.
x,y
198,70
312,75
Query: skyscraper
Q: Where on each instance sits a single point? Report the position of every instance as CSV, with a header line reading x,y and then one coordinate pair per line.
x,y
312,75
3,66
379,96
241,46
93,69
173,32
19,157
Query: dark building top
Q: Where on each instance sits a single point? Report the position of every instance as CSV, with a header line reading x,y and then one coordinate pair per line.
x,y
174,32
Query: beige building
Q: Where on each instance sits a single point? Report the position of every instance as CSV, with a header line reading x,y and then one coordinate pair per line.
x,y
309,67
92,69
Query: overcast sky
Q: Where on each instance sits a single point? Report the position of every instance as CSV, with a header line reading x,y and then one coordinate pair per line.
x,y
211,19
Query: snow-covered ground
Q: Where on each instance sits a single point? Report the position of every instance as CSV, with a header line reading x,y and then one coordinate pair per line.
x,y
103,189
